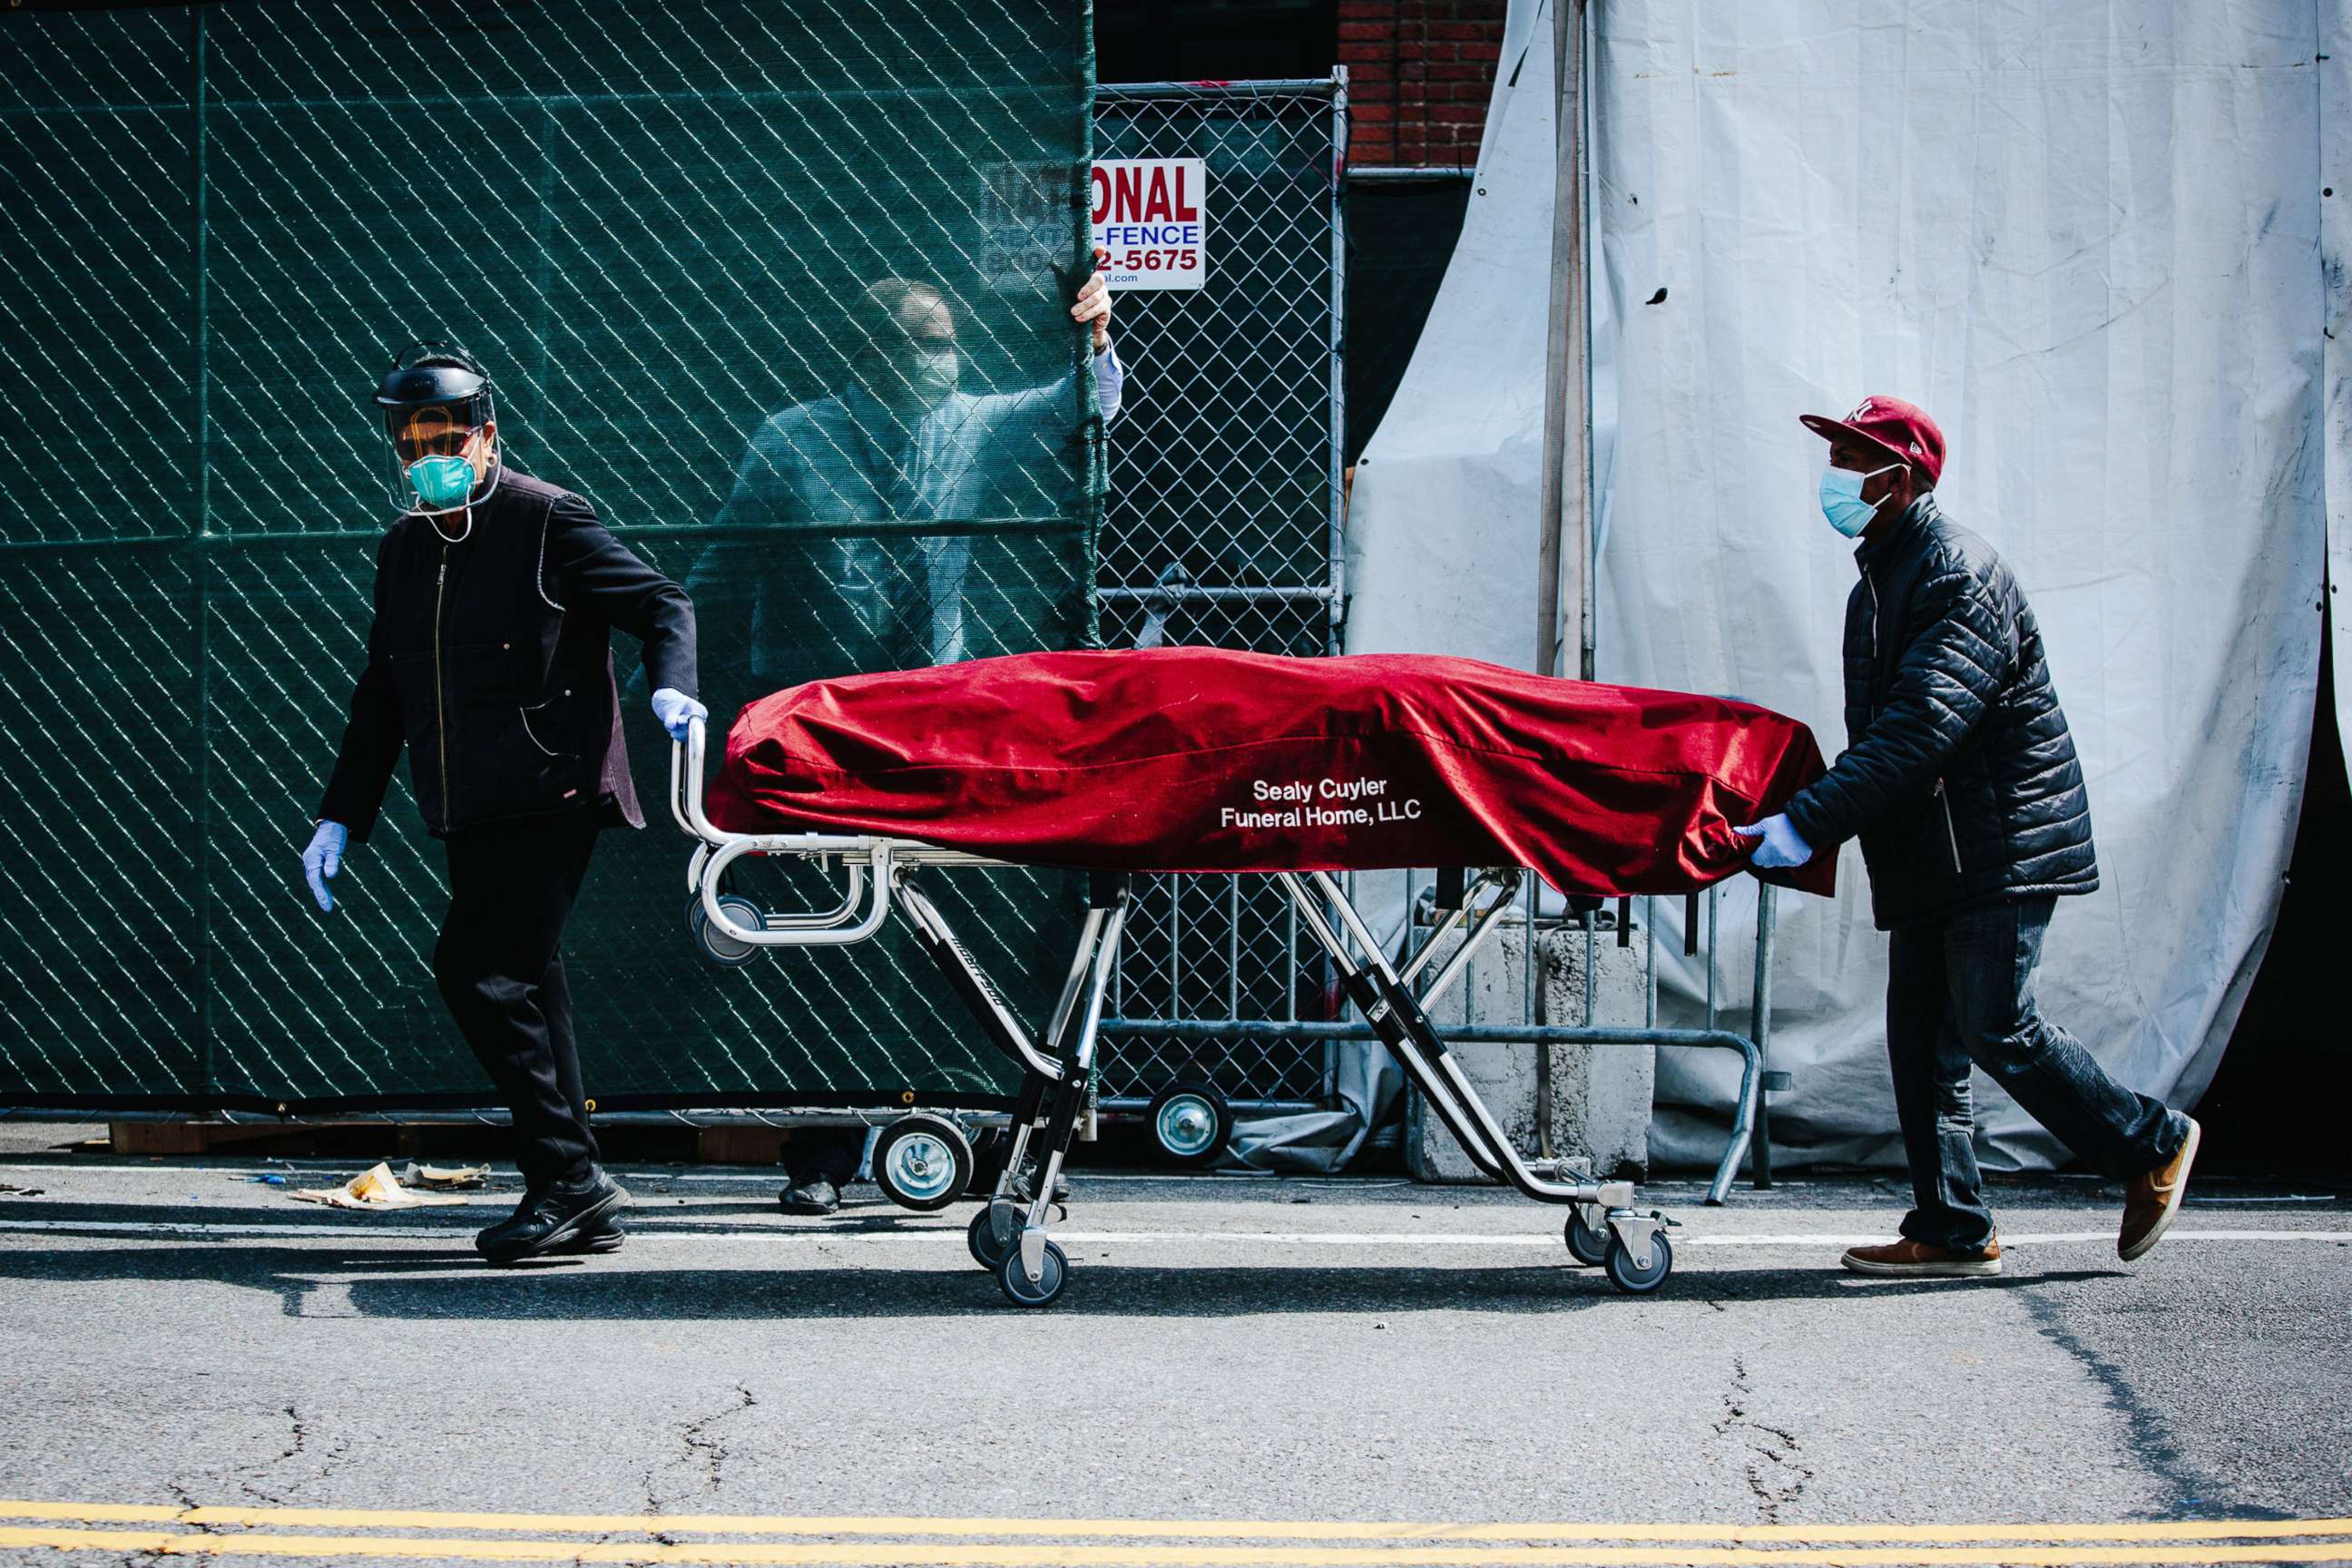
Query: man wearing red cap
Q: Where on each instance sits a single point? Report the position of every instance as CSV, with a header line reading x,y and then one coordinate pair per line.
x,y
1961,780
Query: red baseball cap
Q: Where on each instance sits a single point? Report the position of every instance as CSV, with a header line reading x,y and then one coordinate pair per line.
x,y
1902,429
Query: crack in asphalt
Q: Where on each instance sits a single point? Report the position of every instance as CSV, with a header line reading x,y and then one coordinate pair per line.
x,y
1776,1476
299,1439
709,1449
188,1504
706,1450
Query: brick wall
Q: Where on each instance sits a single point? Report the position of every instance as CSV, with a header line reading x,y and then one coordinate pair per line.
x,y
1419,74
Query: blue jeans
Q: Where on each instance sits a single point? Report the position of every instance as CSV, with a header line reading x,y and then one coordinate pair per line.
x,y
1959,991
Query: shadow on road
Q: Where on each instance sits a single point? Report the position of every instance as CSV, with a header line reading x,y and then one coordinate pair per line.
x,y
408,1285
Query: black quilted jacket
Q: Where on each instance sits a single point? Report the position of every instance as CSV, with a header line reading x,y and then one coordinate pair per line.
x,y
490,660
1958,776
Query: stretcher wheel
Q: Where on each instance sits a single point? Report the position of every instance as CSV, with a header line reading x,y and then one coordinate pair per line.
x,y
980,1236
1638,1281
1191,1123
1586,1245
694,915
1045,1289
922,1163
716,944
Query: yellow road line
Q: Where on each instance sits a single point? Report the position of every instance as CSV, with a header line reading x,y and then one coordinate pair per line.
x,y
1070,1530
876,1554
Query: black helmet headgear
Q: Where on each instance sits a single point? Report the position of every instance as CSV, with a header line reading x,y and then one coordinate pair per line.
x,y
433,372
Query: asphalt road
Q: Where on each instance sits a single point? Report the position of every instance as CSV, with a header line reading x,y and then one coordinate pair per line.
x,y
1298,1367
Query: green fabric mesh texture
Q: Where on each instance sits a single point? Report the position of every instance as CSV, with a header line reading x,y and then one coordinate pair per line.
x,y
656,227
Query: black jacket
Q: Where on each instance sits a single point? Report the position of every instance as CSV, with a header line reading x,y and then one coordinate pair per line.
x,y
492,661
1958,774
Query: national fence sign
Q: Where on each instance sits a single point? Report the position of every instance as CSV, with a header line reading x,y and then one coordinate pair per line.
x,y
1152,215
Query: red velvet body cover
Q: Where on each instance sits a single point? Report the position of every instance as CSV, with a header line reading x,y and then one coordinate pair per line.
x,y
1202,760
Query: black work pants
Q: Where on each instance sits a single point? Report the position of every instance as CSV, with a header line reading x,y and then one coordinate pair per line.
x,y
1959,992
499,965
823,1154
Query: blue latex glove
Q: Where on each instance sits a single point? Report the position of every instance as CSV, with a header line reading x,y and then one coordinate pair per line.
x,y
1783,845
323,859
674,708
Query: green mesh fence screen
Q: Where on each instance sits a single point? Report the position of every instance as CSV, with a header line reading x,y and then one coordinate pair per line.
x,y
655,225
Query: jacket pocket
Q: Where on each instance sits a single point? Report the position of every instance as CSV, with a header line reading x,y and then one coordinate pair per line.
x,y
546,725
1951,834
520,758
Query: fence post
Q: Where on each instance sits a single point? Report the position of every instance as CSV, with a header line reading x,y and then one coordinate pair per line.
x,y
200,547
1337,550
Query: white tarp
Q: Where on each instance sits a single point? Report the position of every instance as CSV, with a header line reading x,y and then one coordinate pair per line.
x,y
2087,239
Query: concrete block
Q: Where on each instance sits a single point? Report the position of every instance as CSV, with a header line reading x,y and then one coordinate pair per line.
x,y
1601,1095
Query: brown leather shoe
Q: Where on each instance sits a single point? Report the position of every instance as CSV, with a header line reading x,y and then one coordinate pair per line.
x,y
2151,1201
1917,1259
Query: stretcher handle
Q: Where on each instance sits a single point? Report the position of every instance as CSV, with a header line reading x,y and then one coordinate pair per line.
x,y
813,930
686,766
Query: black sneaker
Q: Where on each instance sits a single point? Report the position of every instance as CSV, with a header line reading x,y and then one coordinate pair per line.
x,y
816,1197
558,1219
606,1238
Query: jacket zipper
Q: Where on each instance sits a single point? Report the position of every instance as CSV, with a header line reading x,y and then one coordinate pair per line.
x,y
440,717
1951,836
1943,799
1873,687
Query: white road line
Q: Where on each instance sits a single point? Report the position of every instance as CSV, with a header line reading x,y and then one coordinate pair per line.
x,y
761,1176
756,1176
942,1237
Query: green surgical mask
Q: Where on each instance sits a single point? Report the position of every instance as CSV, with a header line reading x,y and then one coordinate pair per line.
x,y
441,483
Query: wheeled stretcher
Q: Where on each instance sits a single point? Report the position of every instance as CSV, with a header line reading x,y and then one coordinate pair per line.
x,y
1185,760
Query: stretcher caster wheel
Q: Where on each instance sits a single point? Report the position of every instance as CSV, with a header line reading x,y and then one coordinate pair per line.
x,y
1639,1281
1190,1122
988,1250
1586,1245
1042,1291
922,1163
716,944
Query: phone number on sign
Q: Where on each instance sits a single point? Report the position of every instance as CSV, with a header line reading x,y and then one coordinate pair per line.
x,y
1183,260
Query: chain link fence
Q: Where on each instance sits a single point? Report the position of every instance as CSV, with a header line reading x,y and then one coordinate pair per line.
x,y
659,227
1221,527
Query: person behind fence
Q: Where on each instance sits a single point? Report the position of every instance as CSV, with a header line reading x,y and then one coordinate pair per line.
x,y
489,659
799,592
1960,779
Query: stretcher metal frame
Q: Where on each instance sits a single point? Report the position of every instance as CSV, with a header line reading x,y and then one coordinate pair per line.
x,y
1009,1236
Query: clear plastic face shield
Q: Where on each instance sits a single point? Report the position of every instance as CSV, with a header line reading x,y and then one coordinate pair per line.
x,y
440,427
439,457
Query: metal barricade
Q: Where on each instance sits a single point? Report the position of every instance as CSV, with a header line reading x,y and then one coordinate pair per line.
x,y
1208,1036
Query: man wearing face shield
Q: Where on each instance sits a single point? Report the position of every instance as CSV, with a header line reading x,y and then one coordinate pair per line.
x,y
1959,777
489,660
800,595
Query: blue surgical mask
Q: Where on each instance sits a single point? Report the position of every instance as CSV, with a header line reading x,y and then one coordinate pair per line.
x,y
441,483
1842,501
